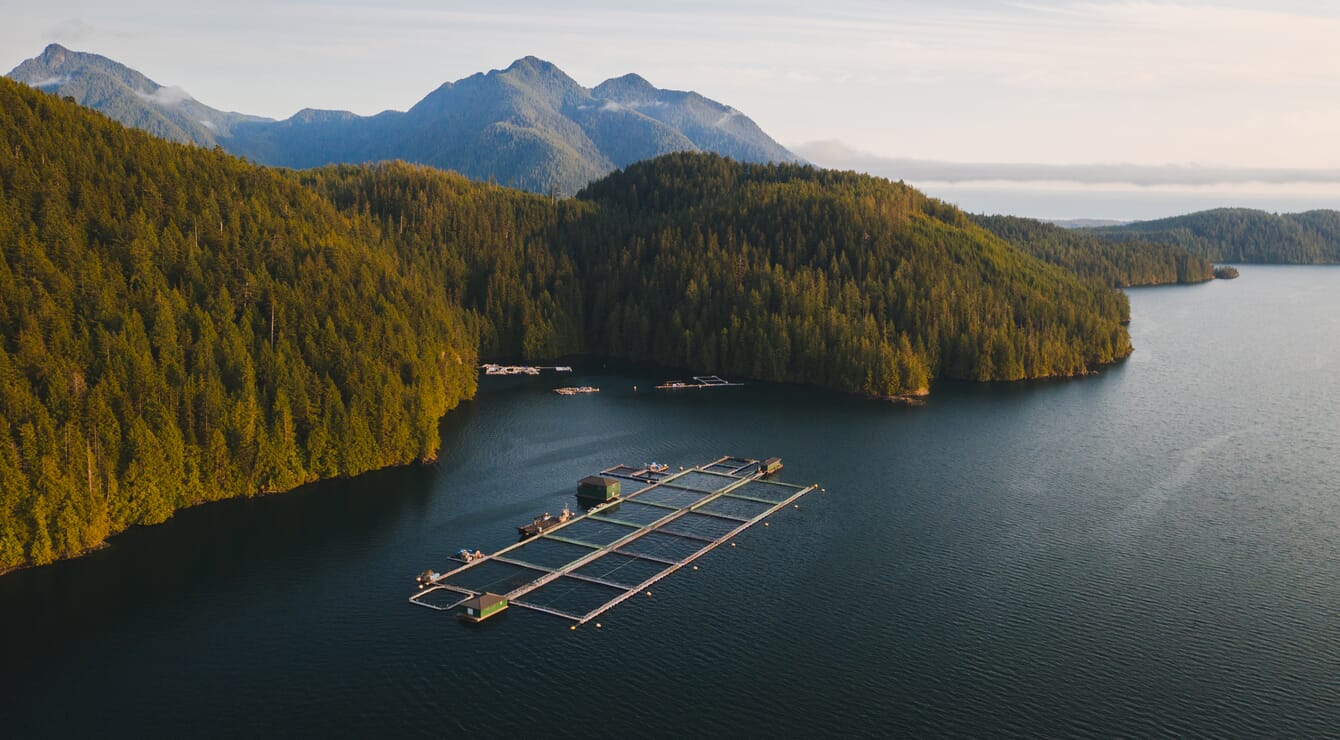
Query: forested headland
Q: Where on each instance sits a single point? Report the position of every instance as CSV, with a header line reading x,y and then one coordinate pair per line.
x,y
180,326
1121,264
1244,235
791,273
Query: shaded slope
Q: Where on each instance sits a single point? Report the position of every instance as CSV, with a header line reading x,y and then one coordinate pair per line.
x,y
795,274
1120,264
492,249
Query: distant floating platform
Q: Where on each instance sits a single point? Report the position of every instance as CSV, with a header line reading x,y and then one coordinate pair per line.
x,y
495,369
576,390
581,568
699,381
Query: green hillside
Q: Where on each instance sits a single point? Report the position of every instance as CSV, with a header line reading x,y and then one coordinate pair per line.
x,y
1118,263
178,325
493,250
796,274
1244,235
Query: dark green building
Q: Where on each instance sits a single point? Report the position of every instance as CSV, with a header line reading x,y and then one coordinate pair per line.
x,y
482,607
598,489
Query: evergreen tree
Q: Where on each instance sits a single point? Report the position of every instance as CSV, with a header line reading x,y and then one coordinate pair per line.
x,y
177,325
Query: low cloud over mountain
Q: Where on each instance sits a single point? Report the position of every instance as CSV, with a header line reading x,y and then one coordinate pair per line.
x,y
838,155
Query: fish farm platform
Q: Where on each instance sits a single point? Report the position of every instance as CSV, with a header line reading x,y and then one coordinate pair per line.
x,y
590,564
699,381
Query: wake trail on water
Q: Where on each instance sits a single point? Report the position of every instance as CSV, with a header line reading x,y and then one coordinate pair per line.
x,y
1148,506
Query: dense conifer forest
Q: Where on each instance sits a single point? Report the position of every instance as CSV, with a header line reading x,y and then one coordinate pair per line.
x,y
1120,264
178,325
791,273
492,250
1244,235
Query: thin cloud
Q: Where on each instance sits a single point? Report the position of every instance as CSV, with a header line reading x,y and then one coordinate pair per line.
x,y
839,156
1244,82
165,96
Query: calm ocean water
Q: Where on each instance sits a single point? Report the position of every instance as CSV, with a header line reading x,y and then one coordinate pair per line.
x,y
1154,550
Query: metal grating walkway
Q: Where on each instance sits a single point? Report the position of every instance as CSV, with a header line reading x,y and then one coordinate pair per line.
x,y
582,568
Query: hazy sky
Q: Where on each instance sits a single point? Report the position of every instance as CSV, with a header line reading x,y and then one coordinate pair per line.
x,y
1234,86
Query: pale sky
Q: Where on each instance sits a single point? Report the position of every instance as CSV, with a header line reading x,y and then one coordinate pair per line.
x,y
1236,87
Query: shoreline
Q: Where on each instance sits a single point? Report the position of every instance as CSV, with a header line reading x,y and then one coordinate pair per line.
x,y
914,398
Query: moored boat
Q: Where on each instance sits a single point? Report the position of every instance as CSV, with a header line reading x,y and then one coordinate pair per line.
x,y
426,578
544,523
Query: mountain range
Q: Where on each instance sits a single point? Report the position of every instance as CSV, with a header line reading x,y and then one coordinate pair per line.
x,y
530,125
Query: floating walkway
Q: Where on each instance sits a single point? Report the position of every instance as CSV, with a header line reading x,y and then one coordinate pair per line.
x,y
590,564
576,390
699,381
495,369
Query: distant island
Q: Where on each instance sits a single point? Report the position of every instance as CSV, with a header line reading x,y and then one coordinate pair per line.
x,y
1119,263
1225,272
1085,223
1243,235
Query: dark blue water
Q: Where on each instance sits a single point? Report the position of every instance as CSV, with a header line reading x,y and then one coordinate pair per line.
x,y
1155,550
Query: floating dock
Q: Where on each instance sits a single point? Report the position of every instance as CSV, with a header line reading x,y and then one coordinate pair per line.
x,y
491,368
576,390
590,564
699,381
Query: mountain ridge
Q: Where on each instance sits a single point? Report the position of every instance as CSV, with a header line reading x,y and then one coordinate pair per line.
x,y
127,95
529,124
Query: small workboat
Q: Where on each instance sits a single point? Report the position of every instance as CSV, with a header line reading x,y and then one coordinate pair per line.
x,y
467,556
544,523
426,578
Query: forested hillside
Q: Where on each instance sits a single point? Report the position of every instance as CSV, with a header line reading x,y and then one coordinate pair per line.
x,y
180,326
492,248
1244,235
1120,264
791,273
